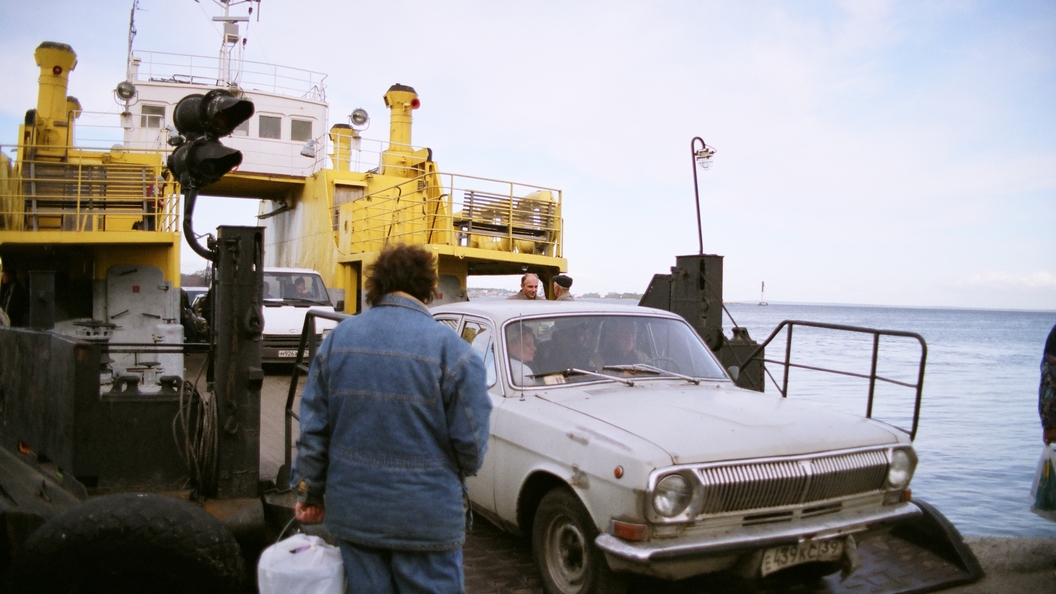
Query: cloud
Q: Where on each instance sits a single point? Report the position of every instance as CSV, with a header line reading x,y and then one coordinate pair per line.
x,y
1006,281
873,151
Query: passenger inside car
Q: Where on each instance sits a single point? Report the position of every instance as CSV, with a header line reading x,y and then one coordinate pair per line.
x,y
569,347
520,345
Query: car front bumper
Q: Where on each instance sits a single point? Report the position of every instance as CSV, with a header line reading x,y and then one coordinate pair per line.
x,y
686,556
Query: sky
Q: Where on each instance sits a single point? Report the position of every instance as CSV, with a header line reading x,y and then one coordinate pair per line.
x,y
868,152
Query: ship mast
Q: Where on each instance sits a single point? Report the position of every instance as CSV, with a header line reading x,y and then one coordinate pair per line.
x,y
231,66
131,37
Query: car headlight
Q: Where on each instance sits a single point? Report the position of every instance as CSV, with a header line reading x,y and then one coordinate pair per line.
x,y
671,496
900,470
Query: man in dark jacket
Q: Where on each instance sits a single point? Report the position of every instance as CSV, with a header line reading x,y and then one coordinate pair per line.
x,y
1047,389
395,413
562,283
14,299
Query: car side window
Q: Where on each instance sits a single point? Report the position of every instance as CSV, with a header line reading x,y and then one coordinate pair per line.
x,y
451,323
479,337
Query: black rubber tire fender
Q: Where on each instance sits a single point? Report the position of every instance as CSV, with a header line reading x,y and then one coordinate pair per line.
x,y
563,536
130,542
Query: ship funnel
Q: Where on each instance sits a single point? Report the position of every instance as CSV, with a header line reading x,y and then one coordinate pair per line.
x,y
345,140
56,60
401,100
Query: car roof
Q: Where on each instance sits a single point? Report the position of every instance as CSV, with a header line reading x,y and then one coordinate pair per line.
x,y
501,310
290,271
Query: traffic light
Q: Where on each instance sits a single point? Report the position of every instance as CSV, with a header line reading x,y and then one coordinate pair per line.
x,y
200,159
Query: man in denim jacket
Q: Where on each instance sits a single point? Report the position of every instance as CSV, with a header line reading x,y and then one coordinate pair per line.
x,y
394,414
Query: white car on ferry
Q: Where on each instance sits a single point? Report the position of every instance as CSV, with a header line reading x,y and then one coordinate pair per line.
x,y
289,294
620,446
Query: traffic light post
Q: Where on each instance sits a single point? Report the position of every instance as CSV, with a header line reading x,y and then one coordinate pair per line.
x,y
236,320
200,158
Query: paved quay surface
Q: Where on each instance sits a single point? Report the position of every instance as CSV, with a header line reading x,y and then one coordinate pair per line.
x,y
498,563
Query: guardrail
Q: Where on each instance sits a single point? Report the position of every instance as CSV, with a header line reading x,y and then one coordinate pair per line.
x,y
458,210
251,76
300,365
871,376
85,190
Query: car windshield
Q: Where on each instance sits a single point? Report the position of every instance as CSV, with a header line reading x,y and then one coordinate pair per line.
x,y
295,287
568,349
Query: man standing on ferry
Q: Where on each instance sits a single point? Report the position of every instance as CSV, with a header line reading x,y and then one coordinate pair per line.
x,y
394,416
529,287
562,284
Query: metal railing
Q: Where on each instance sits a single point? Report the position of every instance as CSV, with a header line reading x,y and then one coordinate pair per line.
x,y
457,210
305,353
251,76
94,191
872,376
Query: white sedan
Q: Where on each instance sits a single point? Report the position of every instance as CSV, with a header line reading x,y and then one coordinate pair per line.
x,y
620,445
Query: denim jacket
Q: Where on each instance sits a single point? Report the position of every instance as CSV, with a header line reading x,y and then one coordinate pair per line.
x,y
394,414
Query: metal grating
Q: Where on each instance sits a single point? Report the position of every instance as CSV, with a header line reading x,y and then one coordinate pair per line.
x,y
791,482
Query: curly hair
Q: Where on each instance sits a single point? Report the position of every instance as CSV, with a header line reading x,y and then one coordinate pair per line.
x,y
407,268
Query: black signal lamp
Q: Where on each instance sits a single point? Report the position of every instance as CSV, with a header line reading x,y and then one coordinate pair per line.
x,y
201,120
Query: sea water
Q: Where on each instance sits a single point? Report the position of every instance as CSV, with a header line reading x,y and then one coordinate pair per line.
x,y
979,435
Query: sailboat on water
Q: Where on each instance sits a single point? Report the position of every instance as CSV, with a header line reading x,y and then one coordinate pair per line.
x,y
762,294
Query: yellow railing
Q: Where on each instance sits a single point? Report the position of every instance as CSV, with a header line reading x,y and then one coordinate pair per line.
x,y
89,191
457,210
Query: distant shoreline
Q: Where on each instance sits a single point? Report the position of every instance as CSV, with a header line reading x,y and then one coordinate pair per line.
x,y
503,295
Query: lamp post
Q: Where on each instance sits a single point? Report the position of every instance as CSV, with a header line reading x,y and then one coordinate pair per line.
x,y
702,157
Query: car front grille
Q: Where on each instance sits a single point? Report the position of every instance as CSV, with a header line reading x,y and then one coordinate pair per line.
x,y
281,342
278,341
796,481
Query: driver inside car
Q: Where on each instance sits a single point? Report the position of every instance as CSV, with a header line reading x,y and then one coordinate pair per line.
x,y
617,345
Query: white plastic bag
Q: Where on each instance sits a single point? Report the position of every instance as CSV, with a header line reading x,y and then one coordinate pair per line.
x,y
1043,491
301,564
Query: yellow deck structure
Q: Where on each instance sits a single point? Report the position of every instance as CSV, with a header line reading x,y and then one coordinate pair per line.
x,y
80,212
338,220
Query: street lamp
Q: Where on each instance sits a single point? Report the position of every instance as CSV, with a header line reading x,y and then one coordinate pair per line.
x,y
701,157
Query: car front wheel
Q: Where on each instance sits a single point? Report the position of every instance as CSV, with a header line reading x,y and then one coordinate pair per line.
x,y
563,536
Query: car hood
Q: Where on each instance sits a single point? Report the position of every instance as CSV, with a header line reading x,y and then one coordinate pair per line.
x,y
709,423
289,320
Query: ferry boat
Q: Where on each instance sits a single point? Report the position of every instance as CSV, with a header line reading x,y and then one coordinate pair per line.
x,y
106,219
330,198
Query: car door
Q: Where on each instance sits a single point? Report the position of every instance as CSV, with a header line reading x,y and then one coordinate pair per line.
x,y
479,334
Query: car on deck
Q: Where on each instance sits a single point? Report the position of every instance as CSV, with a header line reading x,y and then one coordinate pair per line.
x,y
620,446
289,293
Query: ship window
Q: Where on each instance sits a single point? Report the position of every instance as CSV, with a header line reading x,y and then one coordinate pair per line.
x,y
242,129
270,127
300,130
152,116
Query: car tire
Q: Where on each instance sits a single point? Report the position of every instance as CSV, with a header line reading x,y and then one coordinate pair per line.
x,y
130,542
563,536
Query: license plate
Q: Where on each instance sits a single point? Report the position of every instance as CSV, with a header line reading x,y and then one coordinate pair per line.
x,y
288,353
780,558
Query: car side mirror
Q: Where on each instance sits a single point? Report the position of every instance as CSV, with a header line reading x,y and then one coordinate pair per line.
x,y
340,305
734,371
